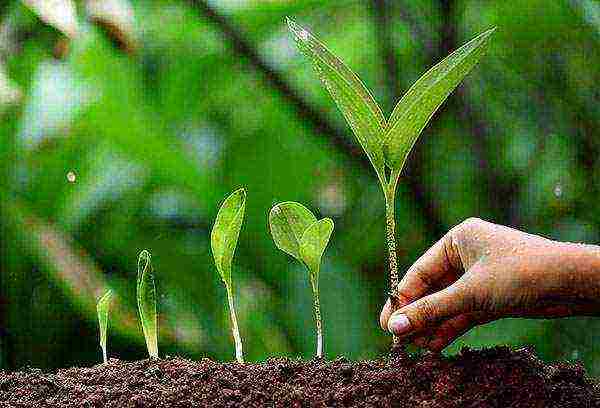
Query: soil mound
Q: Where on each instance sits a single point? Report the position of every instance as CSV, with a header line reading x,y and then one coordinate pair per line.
x,y
497,377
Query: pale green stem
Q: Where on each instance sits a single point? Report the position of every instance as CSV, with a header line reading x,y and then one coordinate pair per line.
x,y
318,321
239,354
104,354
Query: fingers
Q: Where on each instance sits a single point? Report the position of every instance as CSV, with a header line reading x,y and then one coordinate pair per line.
x,y
386,312
430,310
437,268
433,270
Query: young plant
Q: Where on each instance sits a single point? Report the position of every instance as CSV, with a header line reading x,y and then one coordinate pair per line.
x,y
102,307
388,143
297,232
146,300
223,239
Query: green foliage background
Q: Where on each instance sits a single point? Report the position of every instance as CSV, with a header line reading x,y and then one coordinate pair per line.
x,y
158,137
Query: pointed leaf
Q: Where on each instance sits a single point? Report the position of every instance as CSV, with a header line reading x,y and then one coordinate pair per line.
x,y
352,97
313,244
288,222
103,307
417,106
146,299
225,232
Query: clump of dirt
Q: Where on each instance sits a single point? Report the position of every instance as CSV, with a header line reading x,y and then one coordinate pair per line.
x,y
495,377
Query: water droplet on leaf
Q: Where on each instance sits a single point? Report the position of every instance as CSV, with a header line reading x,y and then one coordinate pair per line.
x,y
303,34
71,177
557,190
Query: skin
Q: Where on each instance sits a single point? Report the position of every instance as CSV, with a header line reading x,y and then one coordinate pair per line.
x,y
479,272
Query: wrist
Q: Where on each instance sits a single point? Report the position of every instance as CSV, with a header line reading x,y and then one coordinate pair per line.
x,y
579,269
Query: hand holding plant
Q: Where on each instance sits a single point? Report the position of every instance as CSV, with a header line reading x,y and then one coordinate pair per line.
x,y
479,272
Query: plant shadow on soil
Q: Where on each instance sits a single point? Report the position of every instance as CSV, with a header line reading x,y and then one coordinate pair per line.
x,y
496,377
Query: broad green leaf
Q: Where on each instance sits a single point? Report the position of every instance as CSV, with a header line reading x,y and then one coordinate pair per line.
x,y
313,244
352,97
102,307
146,299
288,222
225,232
417,106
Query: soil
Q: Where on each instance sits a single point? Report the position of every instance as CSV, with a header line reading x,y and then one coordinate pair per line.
x,y
496,377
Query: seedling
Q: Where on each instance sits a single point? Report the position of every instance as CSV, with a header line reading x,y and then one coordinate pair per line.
x,y
102,307
146,300
388,143
297,232
223,239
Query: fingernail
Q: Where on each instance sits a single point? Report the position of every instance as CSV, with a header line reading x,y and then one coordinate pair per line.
x,y
399,324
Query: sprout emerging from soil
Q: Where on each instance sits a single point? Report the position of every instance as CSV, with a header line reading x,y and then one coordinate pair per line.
x,y
223,239
102,307
146,300
388,142
297,232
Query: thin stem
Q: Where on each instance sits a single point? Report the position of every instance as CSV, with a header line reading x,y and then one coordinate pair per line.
x,y
104,355
239,353
317,304
390,237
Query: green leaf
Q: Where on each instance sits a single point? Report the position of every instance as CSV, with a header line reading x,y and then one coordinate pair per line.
x,y
288,222
225,232
102,307
352,97
417,106
313,244
146,299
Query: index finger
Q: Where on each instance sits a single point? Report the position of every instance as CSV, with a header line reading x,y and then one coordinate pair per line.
x,y
436,269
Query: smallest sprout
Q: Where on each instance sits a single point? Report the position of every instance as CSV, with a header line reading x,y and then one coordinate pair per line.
x,y
102,307
146,300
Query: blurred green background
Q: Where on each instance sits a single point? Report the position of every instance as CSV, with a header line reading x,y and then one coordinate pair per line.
x,y
124,125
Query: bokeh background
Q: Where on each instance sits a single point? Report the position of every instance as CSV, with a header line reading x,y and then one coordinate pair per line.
x,y
123,126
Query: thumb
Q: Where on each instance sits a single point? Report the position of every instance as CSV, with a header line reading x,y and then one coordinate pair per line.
x,y
430,310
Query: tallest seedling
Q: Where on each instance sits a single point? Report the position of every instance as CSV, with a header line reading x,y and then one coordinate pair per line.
x,y
387,143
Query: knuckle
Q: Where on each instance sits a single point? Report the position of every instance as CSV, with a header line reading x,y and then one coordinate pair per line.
x,y
467,293
422,275
469,225
427,311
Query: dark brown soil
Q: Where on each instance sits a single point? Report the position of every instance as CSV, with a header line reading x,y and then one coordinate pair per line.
x,y
496,377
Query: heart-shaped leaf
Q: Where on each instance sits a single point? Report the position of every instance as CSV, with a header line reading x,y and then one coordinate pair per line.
x,y
288,222
146,299
297,232
226,231
103,307
417,106
313,244
352,97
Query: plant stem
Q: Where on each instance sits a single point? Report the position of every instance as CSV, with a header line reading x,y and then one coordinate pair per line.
x,y
390,237
104,355
317,304
239,353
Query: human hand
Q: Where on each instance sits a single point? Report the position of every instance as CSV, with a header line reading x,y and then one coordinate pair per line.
x,y
479,272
